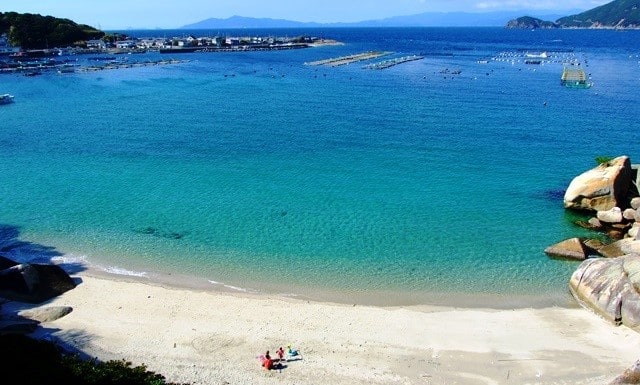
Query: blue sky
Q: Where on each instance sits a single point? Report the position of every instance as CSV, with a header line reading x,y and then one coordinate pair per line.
x,y
144,14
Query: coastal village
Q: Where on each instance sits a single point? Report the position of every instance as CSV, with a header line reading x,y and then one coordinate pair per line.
x,y
99,54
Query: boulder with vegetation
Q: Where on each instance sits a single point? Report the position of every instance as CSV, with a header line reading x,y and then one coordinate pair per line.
x,y
603,187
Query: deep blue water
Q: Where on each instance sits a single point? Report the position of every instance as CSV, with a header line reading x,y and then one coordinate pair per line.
x,y
257,171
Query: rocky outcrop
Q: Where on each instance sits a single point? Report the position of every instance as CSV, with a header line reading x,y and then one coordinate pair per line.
x,y
573,248
46,314
609,287
602,188
528,22
17,326
34,283
629,376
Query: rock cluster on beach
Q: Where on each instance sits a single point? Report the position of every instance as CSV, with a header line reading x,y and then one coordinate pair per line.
x,y
31,283
608,279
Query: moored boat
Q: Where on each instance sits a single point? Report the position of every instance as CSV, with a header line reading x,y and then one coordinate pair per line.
x,y
6,99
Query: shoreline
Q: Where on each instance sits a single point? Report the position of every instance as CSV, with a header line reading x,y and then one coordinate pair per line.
x,y
375,297
208,337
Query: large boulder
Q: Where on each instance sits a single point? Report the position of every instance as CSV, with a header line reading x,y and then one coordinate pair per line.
x,y
18,326
6,263
34,283
608,288
617,249
601,188
572,248
613,215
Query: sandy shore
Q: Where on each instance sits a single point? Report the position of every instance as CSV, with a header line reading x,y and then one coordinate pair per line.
x,y
203,337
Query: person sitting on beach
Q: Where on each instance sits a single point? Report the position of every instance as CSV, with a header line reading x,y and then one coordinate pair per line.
x,y
280,352
267,362
291,352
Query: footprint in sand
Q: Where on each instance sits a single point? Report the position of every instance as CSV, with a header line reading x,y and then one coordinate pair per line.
x,y
215,343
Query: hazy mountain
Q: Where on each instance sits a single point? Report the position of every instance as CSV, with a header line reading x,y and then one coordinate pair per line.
x,y
238,22
429,19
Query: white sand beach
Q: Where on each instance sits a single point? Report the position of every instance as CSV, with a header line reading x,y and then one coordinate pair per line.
x,y
205,337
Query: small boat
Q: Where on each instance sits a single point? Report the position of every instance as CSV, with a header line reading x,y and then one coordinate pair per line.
x,y
6,99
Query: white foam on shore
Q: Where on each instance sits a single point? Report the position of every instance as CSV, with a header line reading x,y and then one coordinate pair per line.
x,y
120,271
236,288
69,259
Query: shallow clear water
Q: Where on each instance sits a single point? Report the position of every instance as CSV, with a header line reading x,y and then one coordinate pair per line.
x,y
257,171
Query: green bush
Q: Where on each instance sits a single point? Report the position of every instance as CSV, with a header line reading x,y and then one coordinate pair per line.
x,y
42,363
603,159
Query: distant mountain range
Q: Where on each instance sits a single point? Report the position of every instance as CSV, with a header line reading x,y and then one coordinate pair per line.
x,y
624,14
430,19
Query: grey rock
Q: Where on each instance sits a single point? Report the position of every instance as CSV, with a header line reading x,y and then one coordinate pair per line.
x,y
615,249
18,326
613,215
595,223
572,248
46,314
608,288
34,283
629,214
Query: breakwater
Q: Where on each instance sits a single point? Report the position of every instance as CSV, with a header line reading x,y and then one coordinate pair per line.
x,y
344,60
392,62
34,68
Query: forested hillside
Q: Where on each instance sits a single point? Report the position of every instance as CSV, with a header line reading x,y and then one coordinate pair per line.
x,y
32,31
619,13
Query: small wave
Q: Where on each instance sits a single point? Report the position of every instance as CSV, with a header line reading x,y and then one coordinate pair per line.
x,y
69,259
120,271
236,288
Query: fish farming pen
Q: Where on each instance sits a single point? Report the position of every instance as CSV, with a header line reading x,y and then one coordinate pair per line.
x,y
574,78
392,62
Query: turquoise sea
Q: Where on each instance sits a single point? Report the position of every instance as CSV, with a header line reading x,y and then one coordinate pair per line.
x,y
253,171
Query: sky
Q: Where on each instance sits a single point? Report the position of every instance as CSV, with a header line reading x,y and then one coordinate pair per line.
x,y
167,14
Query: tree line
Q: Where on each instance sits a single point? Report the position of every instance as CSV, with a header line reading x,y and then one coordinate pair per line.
x,y
33,31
